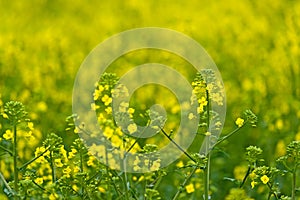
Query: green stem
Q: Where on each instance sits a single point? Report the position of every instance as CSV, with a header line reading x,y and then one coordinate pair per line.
x,y
294,184
125,185
177,145
7,150
32,160
15,156
52,167
207,178
6,184
125,179
81,170
207,168
229,135
246,176
184,183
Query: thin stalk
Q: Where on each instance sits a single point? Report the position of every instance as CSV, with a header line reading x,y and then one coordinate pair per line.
x,y
15,156
177,145
52,167
246,176
6,184
184,183
207,168
207,178
81,178
294,184
229,135
125,180
32,160
7,150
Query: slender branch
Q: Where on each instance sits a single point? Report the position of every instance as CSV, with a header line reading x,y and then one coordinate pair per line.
x,y
15,156
7,150
246,176
229,135
32,160
177,145
294,184
6,184
38,185
184,183
207,168
81,170
207,177
52,167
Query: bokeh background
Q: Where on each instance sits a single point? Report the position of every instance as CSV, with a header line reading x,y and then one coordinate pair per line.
x,y
255,44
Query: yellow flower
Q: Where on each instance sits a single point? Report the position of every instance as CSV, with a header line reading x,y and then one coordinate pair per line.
x,y
190,188
216,97
28,134
180,164
106,100
58,162
39,181
207,133
53,196
218,123
108,110
136,168
264,179
94,106
72,153
155,166
101,189
253,183
146,162
96,94
203,101
191,116
108,132
131,110
239,122
75,188
116,141
252,175
4,115
136,161
200,109
132,128
67,171
8,135
76,169
42,106
90,162
63,152
106,87
98,150
76,130
30,126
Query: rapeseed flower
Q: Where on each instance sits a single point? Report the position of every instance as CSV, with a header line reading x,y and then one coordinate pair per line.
x,y
190,188
239,122
264,179
132,128
8,135
106,100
